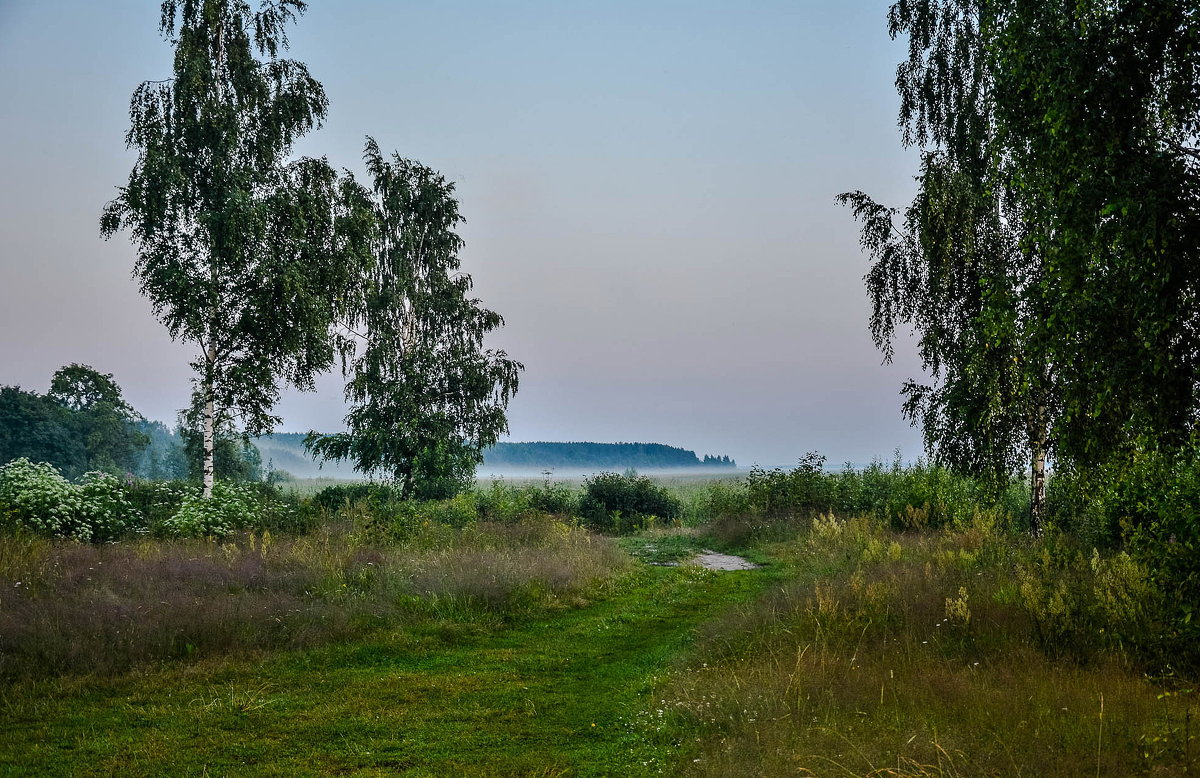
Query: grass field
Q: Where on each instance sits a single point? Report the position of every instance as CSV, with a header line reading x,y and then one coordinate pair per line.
x,y
557,695
537,648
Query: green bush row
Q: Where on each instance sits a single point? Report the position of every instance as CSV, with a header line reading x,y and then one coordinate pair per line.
x,y
916,496
36,498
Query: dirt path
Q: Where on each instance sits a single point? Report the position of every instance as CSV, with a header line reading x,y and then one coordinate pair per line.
x,y
711,560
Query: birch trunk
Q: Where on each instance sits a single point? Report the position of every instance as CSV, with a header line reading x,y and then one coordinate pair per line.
x,y
1037,477
209,446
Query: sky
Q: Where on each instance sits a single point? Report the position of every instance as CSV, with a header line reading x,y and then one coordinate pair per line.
x,y
648,187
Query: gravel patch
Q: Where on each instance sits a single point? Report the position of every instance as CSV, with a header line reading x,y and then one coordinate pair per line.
x,y
711,560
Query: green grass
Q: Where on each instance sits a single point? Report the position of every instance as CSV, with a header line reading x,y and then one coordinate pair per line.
x,y
914,655
658,547
535,648
555,696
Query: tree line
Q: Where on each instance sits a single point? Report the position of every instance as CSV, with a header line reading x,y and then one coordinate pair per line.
x,y
598,455
84,424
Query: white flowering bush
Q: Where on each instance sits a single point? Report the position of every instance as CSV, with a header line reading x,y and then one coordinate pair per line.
x,y
232,507
36,497
102,507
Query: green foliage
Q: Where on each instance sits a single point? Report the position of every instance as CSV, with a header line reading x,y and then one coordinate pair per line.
x,y
1156,505
1100,103
82,424
107,424
331,498
157,502
507,503
537,455
1081,603
1049,261
103,508
426,398
100,508
165,458
38,428
235,458
232,507
958,269
614,502
35,497
241,252
773,503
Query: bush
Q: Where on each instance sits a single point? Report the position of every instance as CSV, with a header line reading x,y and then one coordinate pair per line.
x,y
1155,506
620,503
232,507
102,509
502,503
157,501
37,498
333,498
804,490
558,499
457,512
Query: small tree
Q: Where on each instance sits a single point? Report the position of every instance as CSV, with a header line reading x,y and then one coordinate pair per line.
x,y
426,397
242,254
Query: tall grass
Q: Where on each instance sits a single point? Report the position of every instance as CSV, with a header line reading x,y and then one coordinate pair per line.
x,y
957,652
774,503
77,608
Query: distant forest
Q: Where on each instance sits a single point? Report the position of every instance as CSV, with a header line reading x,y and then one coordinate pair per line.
x,y
285,450
85,424
650,456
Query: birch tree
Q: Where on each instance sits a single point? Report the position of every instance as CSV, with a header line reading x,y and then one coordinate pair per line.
x,y
242,252
959,266
425,396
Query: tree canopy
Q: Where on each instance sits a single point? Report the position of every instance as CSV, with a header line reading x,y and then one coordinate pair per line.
x,y
426,397
958,268
1048,263
82,424
240,250
1099,103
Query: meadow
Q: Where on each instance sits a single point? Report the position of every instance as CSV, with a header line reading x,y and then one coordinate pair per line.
x,y
902,623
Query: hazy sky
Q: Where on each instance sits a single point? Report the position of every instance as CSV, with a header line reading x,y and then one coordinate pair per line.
x,y
648,189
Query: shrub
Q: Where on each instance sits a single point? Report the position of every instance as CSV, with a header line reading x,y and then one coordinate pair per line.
x,y
332,498
102,509
157,501
552,498
502,503
36,497
803,490
619,503
232,507
1156,506
458,511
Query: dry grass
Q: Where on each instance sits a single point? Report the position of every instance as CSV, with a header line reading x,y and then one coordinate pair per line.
x,y
912,655
74,608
